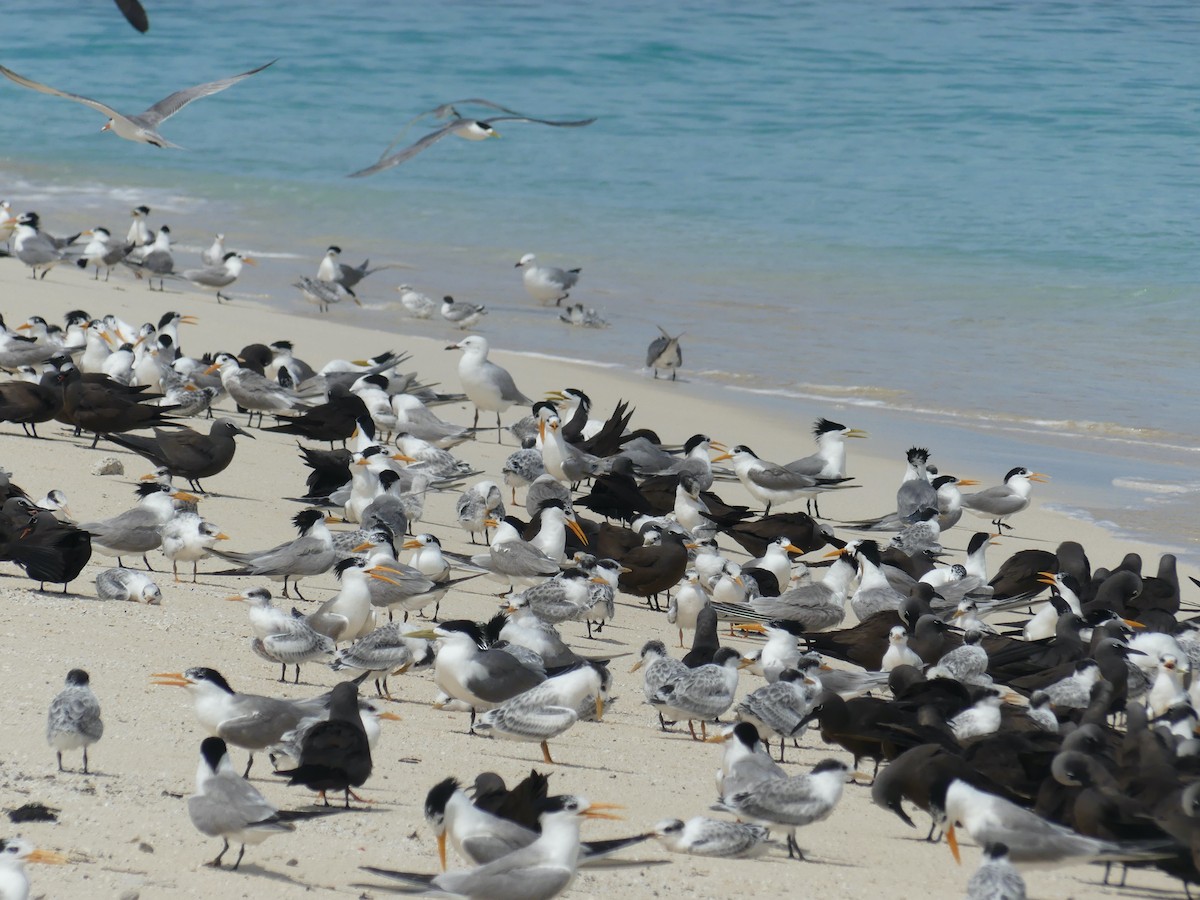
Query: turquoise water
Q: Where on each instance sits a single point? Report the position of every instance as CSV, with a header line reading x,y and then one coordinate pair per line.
x,y
982,215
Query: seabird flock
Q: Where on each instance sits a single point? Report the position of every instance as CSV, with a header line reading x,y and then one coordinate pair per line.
x,y
1046,710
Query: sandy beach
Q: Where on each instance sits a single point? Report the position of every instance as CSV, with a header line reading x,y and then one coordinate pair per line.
x,y
125,826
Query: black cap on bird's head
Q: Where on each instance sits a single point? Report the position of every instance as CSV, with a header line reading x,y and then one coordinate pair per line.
x,y
829,765
439,795
149,488
1012,473
537,408
228,256
77,317
747,734
213,750
141,210
695,441
78,677
824,426
350,562
167,317
333,248
463,626
918,455
725,655
306,519
212,676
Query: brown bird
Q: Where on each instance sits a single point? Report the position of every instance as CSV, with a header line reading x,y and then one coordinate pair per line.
x,y
47,549
335,754
28,403
187,453
334,420
655,568
90,407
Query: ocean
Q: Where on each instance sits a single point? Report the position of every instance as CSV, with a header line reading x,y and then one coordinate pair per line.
x,y
972,225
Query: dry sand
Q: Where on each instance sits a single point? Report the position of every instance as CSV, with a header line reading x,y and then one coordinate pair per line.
x,y
125,826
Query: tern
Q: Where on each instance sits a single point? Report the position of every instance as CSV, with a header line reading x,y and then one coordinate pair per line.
x,y
1005,500
702,836
74,722
140,128
14,853
219,275
539,871
470,129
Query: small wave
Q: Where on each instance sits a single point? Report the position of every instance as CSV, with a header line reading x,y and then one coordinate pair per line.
x,y
592,363
1156,487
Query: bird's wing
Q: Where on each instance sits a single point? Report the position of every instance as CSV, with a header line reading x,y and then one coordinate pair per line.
x,y
46,89
135,14
408,152
576,123
168,106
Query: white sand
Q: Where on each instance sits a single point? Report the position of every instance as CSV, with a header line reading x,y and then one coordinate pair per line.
x,y
125,826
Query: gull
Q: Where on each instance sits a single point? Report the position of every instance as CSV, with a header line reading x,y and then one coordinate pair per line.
x,y
463,315
140,128
702,836
127,585
792,802
664,353
540,871
489,387
74,720
219,275
547,284
470,129
14,853
1006,500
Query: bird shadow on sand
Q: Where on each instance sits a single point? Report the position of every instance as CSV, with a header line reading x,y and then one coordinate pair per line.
x,y
66,596
256,871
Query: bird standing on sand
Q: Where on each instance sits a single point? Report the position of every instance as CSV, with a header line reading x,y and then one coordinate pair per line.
x,y
664,353
486,385
335,754
74,721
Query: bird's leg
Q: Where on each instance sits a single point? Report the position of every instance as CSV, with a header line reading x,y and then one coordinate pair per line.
x,y
816,507
692,729
283,673
588,623
662,723
60,768
680,637
475,425
85,764
499,431
656,374
323,798
195,570
471,727
175,569
673,373
249,763
297,678
358,798
146,560
932,829
95,440
781,744
296,585
237,862
216,863
546,754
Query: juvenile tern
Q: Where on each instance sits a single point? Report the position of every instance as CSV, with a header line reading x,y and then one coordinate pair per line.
x,y
418,305
546,710
664,352
996,878
792,802
547,284
702,836
588,317
188,538
702,693
141,128
74,721
127,585
215,253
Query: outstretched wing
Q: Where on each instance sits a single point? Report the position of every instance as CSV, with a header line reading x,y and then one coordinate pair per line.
x,y
408,152
135,14
576,123
168,106
46,89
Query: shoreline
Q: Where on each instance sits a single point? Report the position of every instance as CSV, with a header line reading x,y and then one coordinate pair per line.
x,y
125,826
